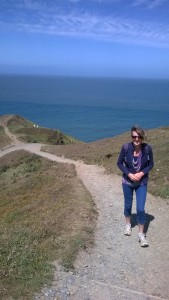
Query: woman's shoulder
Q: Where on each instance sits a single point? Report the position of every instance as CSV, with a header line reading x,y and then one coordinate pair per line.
x,y
146,147
128,145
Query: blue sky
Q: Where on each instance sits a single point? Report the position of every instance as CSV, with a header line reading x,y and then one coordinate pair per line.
x,y
117,38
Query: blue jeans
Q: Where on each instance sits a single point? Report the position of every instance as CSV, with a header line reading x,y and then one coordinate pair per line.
x,y
141,193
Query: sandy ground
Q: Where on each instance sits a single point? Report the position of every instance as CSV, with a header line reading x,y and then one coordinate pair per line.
x,y
116,268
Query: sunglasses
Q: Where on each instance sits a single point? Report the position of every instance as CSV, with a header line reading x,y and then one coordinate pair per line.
x,y
136,136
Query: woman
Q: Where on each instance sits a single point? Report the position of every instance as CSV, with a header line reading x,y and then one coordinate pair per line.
x,y
135,161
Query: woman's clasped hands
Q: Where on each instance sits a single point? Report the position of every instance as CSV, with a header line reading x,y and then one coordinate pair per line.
x,y
136,177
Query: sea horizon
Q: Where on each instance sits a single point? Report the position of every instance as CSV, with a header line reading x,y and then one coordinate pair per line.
x,y
82,76
87,108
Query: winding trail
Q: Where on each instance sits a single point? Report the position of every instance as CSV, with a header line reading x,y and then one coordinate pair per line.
x,y
116,268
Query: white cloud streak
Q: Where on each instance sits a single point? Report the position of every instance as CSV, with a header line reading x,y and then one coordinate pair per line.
x,y
85,25
146,3
149,3
42,3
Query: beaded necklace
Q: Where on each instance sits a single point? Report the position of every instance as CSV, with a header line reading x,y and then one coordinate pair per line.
x,y
136,162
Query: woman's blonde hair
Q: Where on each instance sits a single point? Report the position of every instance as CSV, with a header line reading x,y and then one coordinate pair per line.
x,y
139,131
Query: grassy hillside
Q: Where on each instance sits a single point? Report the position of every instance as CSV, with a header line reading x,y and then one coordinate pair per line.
x,y
105,152
29,132
45,214
4,140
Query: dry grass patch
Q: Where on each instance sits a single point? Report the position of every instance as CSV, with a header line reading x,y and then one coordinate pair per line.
x,y
159,176
4,140
46,214
103,152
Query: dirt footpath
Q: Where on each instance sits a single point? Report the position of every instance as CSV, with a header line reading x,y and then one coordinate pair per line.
x,y
3,122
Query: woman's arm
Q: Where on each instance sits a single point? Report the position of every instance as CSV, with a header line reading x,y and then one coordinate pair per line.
x,y
150,162
121,161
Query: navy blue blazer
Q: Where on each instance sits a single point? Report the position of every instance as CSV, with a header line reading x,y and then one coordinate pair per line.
x,y
125,161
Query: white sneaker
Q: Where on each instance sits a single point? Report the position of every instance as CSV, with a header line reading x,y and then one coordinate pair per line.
x,y
142,240
127,230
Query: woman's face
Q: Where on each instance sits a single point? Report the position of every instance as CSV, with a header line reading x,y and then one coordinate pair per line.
x,y
136,138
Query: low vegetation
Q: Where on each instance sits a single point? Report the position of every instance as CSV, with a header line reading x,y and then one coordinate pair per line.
x,y
4,140
29,132
46,214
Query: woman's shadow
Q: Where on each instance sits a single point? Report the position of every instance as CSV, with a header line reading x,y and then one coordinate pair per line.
x,y
134,222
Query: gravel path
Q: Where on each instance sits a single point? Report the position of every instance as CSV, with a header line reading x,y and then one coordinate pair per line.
x,y
116,268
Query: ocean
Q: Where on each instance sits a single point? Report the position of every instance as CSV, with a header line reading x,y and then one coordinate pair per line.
x,y
88,109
